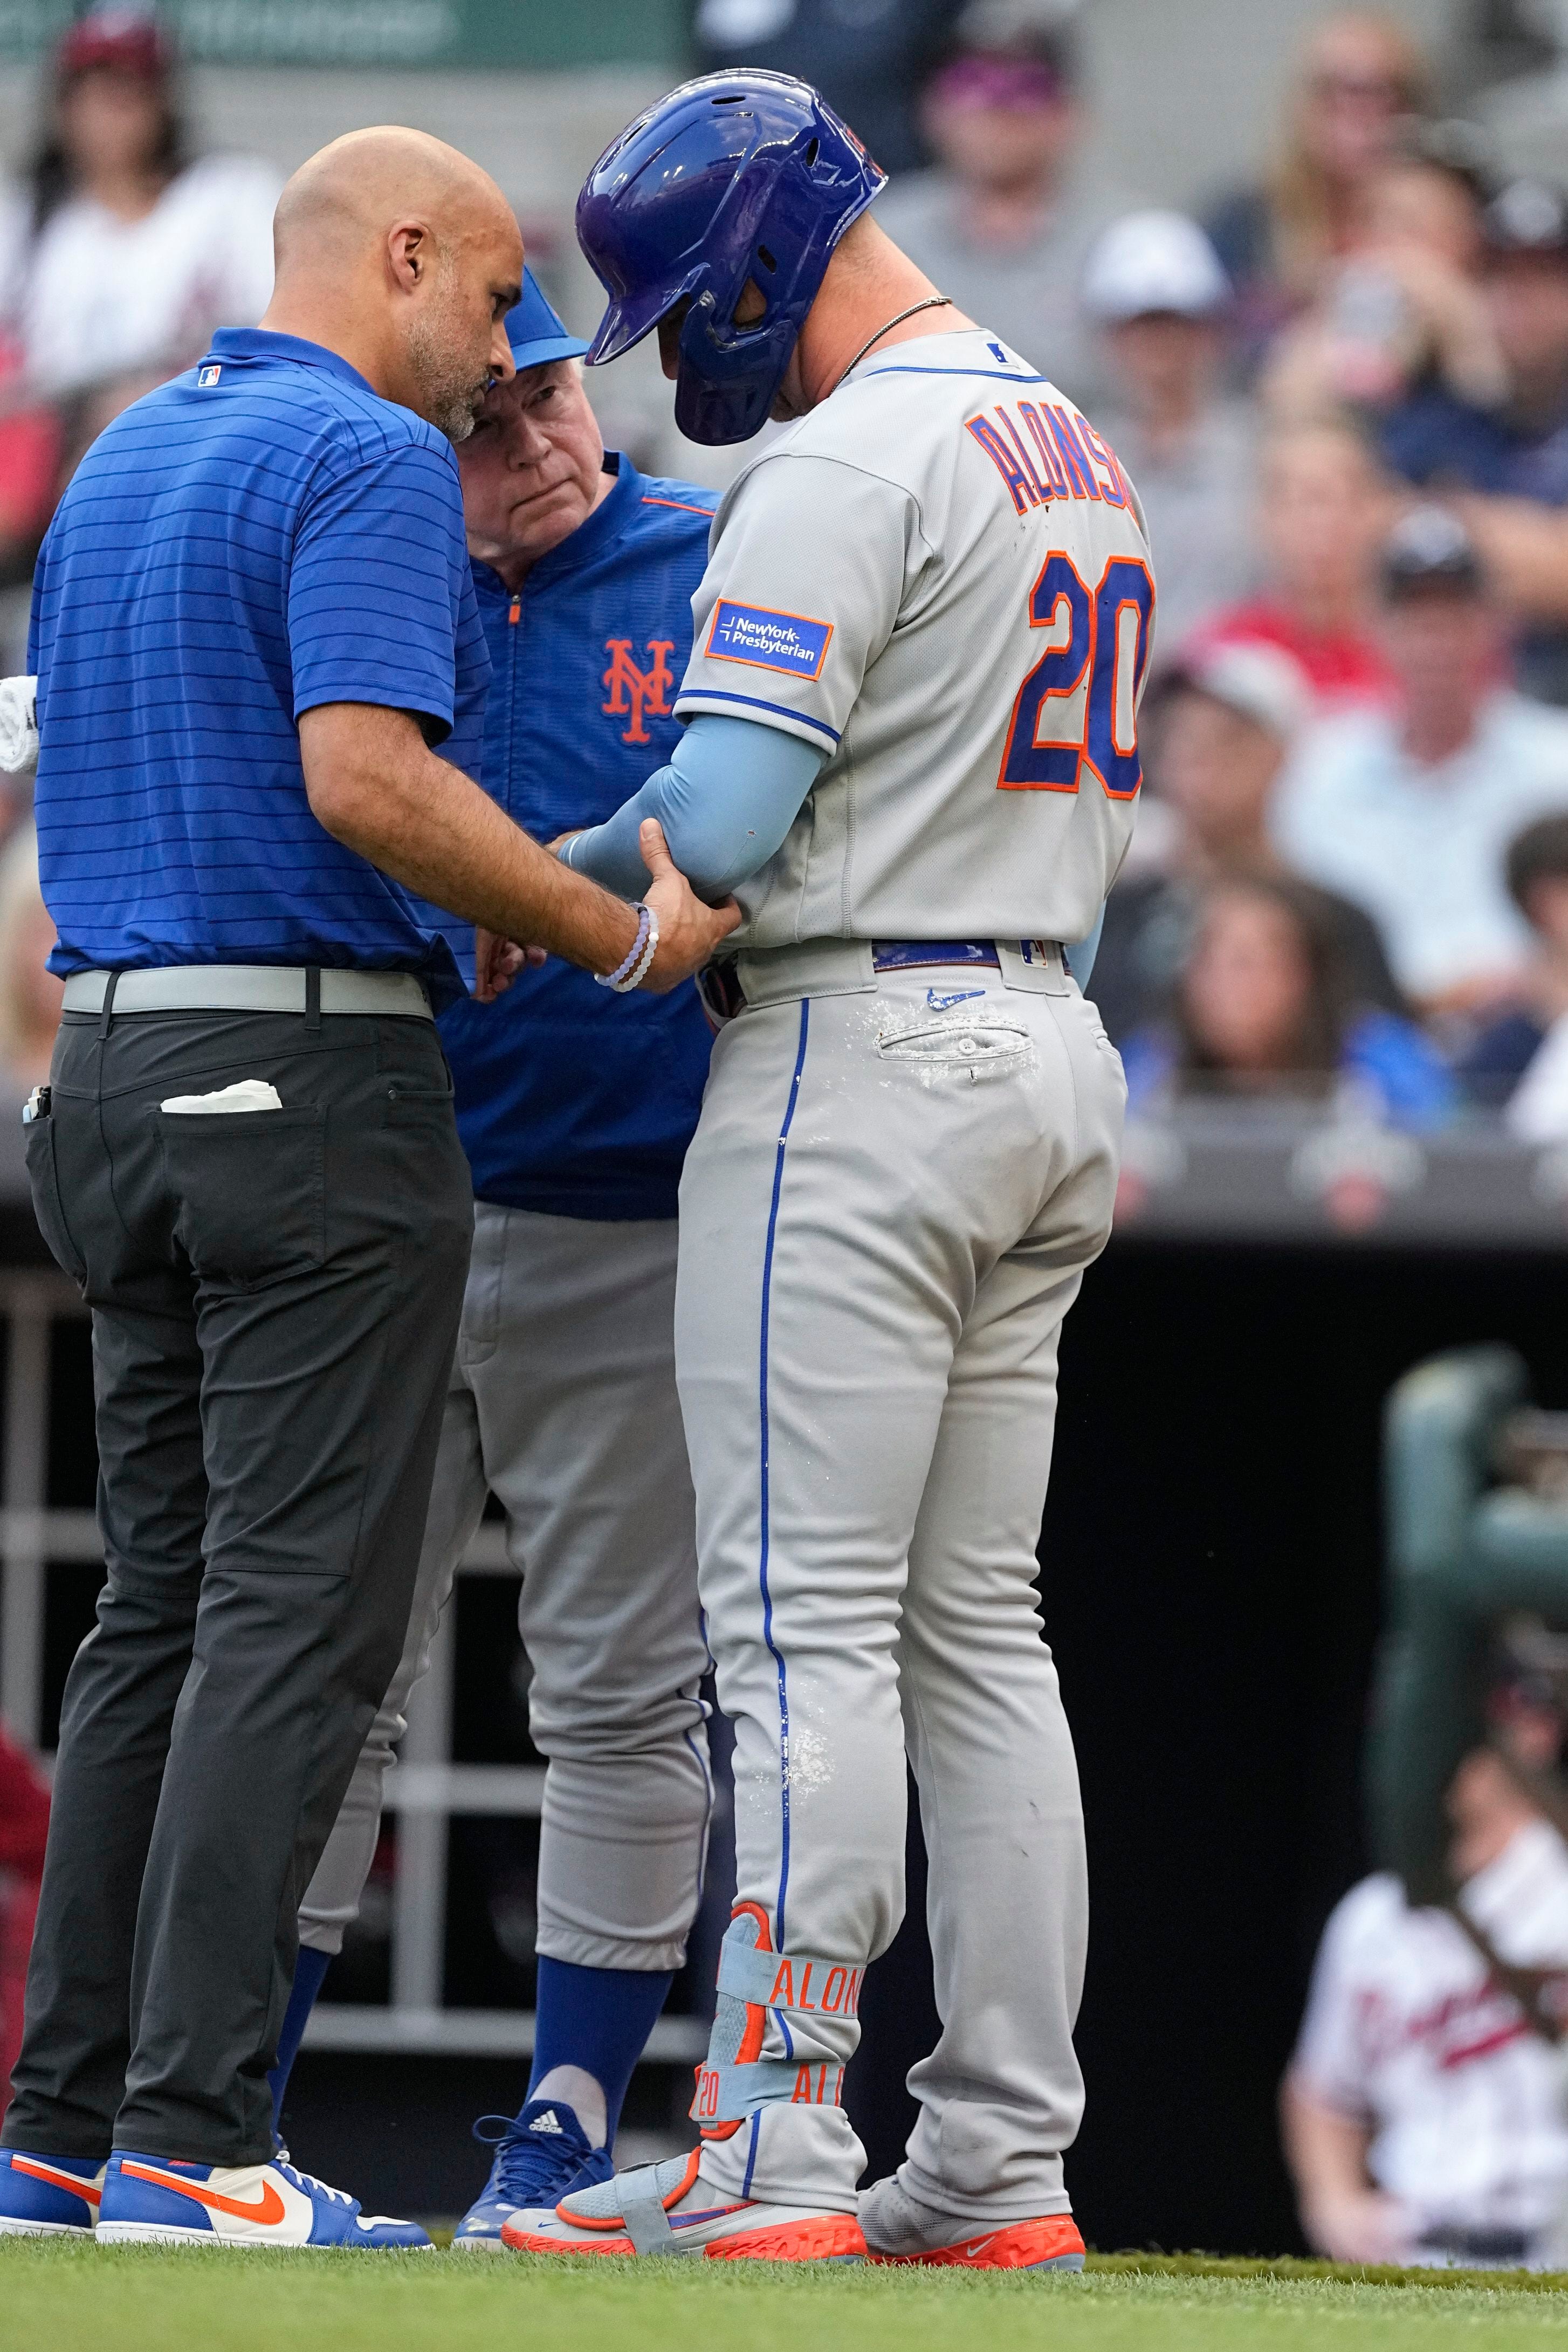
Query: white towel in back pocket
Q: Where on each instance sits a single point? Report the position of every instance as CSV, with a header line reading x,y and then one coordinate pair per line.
x,y
245,1094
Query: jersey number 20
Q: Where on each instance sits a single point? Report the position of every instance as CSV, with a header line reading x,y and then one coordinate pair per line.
x,y
1078,706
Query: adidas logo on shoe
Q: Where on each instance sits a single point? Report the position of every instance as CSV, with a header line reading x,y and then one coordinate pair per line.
x,y
547,2122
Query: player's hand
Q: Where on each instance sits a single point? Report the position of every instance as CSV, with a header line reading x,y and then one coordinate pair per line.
x,y
1367,2227
497,963
687,931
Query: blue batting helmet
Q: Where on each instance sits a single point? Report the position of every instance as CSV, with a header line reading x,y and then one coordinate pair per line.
x,y
737,176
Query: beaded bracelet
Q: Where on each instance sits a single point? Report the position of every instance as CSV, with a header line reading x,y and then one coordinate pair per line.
x,y
618,979
638,972
632,972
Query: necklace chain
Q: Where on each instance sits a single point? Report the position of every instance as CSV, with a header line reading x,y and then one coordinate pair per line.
x,y
931,303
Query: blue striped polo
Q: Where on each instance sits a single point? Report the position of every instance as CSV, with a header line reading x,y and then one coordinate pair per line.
x,y
262,535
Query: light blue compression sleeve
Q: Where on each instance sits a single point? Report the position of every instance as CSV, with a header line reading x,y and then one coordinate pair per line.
x,y
726,801
1083,952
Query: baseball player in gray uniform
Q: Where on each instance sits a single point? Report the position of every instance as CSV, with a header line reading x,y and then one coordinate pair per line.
x,y
911,749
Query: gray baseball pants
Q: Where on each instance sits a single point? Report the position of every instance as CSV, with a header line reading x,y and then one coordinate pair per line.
x,y
563,1404
274,1297
888,1210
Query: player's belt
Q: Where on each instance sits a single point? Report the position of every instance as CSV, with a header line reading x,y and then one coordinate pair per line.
x,y
907,955
838,967
249,988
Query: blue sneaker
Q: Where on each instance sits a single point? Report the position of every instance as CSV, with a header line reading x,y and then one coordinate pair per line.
x,y
48,2196
542,2156
156,2201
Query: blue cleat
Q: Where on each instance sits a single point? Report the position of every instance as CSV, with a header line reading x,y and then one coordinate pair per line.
x,y
48,2196
158,2200
542,2156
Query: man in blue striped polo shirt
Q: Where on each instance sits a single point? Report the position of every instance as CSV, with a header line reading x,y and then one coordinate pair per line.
x,y
253,622
575,1113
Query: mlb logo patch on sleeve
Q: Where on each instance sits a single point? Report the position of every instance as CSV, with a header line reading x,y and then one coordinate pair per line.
x,y
765,640
207,377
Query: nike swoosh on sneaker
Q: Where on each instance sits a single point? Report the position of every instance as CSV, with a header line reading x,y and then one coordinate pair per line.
x,y
708,2213
71,2182
268,2209
978,2246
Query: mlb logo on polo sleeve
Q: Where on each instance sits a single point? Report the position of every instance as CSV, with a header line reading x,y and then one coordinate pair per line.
x,y
765,640
207,377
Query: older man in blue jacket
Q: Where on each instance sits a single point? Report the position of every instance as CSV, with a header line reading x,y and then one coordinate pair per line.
x,y
575,1109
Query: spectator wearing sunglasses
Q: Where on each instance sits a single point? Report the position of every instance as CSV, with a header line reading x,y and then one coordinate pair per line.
x,y
1005,223
1360,81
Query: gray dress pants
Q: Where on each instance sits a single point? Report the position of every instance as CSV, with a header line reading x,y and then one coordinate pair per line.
x,y
275,1299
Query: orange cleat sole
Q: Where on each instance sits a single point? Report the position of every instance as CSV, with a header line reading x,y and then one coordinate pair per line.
x,y
830,2238
1050,2244
825,2238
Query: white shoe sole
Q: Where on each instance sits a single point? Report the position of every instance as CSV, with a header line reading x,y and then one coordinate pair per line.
x,y
156,2233
15,2229
159,2233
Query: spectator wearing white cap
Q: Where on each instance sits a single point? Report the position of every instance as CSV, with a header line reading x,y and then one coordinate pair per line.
x,y
1408,809
1155,287
1217,729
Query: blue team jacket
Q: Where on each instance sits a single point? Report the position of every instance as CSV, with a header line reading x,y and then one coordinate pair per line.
x,y
573,1101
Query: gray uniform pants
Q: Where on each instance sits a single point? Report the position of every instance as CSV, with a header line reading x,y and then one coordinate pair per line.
x,y
274,1297
563,1404
885,1216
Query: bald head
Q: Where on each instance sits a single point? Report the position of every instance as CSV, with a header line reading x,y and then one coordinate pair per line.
x,y
347,198
402,255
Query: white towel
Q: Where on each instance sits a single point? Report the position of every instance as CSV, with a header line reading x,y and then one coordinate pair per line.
x,y
245,1094
19,725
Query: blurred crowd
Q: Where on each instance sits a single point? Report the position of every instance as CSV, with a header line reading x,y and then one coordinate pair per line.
x,y
1343,393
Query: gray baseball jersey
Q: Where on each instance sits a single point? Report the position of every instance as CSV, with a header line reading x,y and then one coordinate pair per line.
x,y
941,577
906,1158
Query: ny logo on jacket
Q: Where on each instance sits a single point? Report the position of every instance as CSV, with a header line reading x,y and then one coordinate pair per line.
x,y
632,691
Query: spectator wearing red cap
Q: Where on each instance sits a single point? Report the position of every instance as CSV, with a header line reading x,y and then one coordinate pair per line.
x,y
125,252
1005,222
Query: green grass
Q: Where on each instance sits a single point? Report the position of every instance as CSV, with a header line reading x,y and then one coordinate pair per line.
x,y
73,2298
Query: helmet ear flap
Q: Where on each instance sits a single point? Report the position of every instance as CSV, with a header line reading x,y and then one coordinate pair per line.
x,y
724,391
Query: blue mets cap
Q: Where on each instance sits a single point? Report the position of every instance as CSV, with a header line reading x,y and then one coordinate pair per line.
x,y
534,331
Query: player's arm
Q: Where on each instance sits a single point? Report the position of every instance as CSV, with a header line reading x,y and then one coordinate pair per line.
x,y
803,588
1343,2214
375,786
726,801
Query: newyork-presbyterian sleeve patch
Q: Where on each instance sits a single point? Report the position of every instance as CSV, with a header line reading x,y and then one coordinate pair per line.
x,y
765,640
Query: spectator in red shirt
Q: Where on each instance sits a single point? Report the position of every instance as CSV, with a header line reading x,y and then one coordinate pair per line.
x,y
1323,510
24,1824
